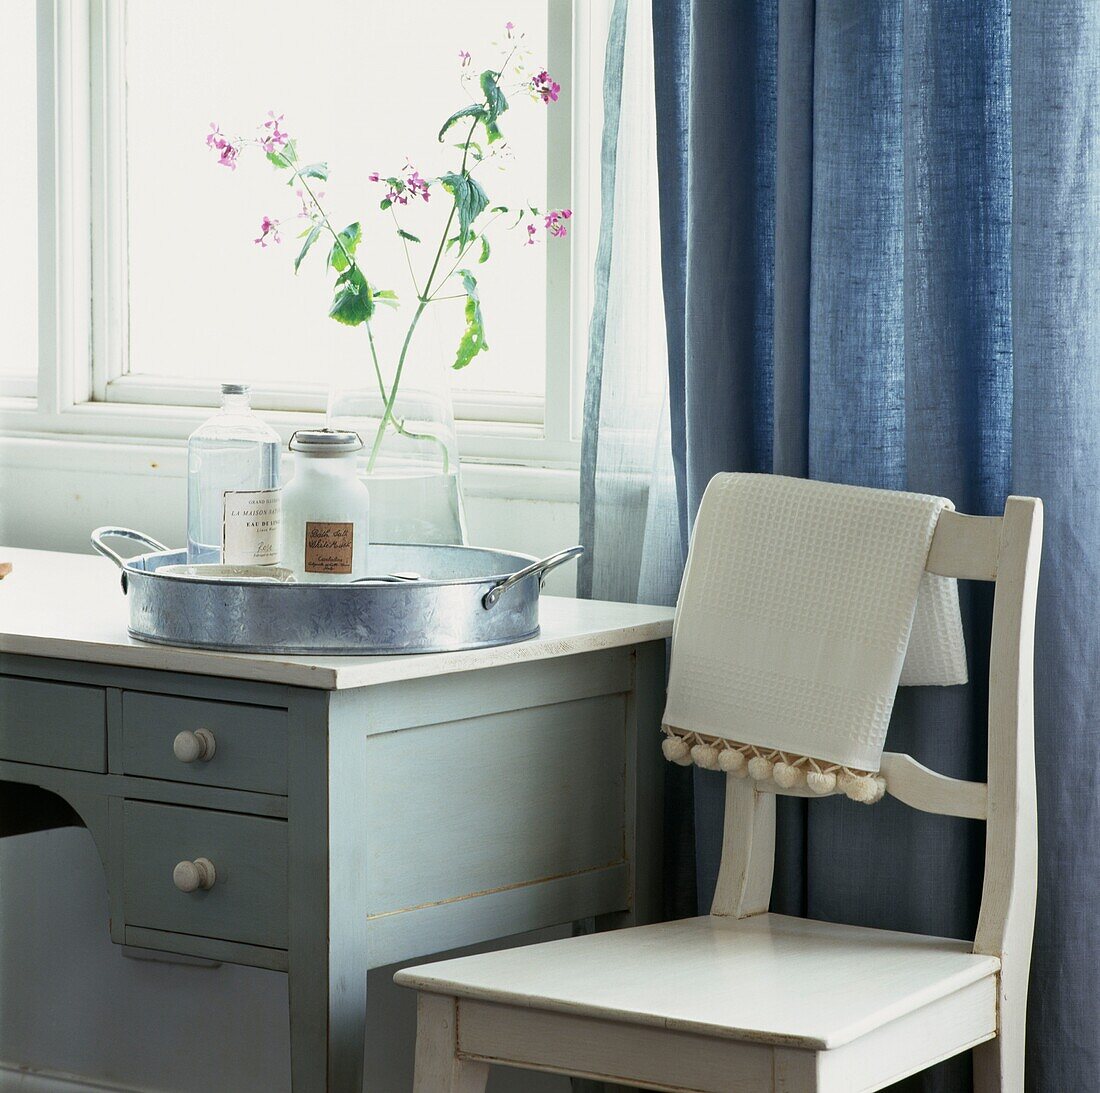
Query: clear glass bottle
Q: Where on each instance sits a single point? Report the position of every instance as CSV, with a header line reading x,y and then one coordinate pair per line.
x,y
233,497
326,509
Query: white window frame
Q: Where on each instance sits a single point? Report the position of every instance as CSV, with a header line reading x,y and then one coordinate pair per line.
x,y
83,386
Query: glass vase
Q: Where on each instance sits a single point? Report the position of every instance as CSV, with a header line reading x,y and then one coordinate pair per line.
x,y
409,460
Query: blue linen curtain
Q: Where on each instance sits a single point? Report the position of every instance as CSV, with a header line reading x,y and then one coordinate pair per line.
x,y
880,226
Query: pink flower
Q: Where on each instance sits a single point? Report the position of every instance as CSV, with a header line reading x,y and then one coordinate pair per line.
x,y
274,138
418,186
464,57
401,189
269,231
509,27
227,153
555,222
543,87
531,233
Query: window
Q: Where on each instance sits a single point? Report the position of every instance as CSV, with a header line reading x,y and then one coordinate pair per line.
x,y
19,269
181,298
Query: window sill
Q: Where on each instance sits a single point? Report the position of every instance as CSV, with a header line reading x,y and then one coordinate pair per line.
x,y
495,442
168,459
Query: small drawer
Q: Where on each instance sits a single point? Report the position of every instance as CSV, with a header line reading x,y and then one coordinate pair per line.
x,y
53,724
207,743
247,901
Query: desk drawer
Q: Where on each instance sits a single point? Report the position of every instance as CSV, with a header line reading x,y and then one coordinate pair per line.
x,y
248,899
249,742
53,724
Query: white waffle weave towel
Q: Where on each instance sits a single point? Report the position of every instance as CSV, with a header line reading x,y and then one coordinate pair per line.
x,y
803,606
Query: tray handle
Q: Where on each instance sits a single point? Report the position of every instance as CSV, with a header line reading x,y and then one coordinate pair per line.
x,y
121,533
541,567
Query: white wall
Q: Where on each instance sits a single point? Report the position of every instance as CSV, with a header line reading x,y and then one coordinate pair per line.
x,y
71,1002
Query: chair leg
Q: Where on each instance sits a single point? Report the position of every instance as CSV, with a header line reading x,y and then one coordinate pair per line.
x,y
999,1063
438,1066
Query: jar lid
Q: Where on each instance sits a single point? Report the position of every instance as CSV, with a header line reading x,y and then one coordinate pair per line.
x,y
235,388
325,442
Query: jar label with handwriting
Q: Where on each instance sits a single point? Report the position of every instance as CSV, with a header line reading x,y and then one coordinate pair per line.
x,y
250,527
329,547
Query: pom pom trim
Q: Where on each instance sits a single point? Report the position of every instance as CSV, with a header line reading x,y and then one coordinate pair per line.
x,y
786,769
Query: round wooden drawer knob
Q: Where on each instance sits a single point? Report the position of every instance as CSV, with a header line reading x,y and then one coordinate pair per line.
x,y
197,746
189,876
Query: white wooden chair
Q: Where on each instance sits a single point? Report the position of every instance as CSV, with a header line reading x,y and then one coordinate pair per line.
x,y
746,1001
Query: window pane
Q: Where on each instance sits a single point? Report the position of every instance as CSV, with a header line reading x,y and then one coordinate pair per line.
x,y
18,123
362,86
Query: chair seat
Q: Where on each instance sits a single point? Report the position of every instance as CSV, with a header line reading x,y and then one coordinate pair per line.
x,y
768,978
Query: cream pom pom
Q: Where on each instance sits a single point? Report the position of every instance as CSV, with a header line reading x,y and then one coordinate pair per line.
x,y
676,750
820,782
732,761
760,768
785,775
880,788
705,756
861,788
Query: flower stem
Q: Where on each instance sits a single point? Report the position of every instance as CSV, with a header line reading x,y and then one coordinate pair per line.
x,y
347,258
424,298
387,414
374,359
458,261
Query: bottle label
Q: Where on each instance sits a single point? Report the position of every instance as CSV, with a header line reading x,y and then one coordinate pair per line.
x,y
250,527
329,546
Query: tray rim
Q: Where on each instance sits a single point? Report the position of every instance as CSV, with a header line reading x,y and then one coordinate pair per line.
x,y
525,559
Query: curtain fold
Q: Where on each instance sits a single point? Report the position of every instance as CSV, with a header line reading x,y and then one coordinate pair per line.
x,y
880,233
632,524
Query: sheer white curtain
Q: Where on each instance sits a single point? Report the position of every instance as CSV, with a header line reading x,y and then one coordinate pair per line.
x,y
629,512
628,506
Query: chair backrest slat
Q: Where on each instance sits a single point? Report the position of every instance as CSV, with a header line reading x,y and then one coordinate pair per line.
x,y
915,785
965,546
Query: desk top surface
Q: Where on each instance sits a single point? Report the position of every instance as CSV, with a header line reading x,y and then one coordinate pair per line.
x,y
70,607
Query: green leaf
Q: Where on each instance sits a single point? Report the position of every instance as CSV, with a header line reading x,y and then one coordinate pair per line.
x,y
452,242
315,170
495,103
484,250
499,209
385,296
287,156
473,338
407,235
470,202
385,203
350,237
475,111
353,303
311,238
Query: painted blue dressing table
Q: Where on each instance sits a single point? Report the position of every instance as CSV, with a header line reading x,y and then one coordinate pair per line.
x,y
326,815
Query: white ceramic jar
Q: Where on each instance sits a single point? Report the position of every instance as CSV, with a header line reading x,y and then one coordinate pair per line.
x,y
326,509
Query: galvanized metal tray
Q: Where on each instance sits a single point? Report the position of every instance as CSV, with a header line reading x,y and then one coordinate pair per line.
x,y
458,598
